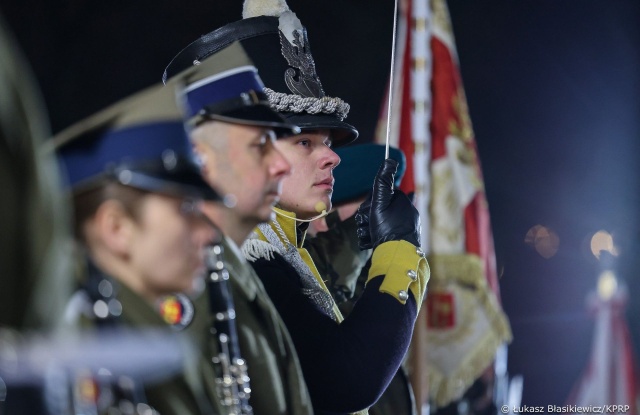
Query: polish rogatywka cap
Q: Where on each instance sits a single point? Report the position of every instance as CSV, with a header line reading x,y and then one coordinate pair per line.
x,y
139,142
226,87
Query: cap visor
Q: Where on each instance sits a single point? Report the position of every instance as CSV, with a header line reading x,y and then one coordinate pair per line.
x,y
342,133
183,180
259,116
185,185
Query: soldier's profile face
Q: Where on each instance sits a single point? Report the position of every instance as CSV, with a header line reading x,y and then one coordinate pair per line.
x,y
307,191
242,163
166,244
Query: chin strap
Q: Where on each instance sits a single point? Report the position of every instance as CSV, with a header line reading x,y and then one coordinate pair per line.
x,y
321,215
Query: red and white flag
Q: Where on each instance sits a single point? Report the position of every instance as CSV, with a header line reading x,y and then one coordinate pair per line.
x,y
609,383
457,337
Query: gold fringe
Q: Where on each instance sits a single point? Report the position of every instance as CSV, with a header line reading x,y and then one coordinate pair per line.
x,y
464,268
467,272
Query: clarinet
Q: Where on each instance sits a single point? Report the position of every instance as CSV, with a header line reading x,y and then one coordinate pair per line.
x,y
232,380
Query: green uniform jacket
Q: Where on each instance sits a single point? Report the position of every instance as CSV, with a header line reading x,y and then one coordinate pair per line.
x,y
182,394
277,384
339,260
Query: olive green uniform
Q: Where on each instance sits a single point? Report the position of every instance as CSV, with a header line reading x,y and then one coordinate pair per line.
x,y
277,384
340,261
180,395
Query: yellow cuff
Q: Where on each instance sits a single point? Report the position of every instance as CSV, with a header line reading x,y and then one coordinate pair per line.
x,y
403,267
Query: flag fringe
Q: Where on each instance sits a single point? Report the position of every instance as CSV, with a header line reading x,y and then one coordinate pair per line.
x,y
446,389
466,271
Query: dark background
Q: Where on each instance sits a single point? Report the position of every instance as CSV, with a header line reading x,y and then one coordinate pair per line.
x,y
554,93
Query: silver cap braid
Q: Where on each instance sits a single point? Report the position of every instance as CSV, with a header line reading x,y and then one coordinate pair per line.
x,y
295,103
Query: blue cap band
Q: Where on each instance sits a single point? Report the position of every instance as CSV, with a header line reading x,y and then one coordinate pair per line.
x,y
221,87
86,159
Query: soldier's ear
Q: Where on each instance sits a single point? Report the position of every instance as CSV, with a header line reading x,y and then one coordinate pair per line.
x,y
204,156
199,154
114,227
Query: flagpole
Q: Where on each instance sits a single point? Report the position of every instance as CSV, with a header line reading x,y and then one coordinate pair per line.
x,y
393,52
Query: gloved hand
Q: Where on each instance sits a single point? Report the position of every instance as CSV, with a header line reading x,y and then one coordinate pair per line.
x,y
387,215
362,223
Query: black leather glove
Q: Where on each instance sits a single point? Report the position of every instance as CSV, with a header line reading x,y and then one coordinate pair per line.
x,y
362,222
387,215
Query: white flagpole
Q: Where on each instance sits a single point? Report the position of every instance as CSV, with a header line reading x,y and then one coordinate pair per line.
x,y
393,52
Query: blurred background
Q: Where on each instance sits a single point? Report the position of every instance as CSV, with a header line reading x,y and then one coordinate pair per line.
x,y
553,89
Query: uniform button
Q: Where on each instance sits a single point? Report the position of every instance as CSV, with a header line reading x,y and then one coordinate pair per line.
x,y
403,295
412,274
420,252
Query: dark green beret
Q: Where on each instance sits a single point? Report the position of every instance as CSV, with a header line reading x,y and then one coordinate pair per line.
x,y
358,167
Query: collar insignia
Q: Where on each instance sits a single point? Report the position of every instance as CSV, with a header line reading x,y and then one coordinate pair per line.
x,y
177,310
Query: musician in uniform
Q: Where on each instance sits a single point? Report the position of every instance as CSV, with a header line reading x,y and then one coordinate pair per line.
x,y
136,195
238,157
346,364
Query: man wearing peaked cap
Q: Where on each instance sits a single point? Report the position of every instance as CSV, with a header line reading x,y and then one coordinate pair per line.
x,y
135,191
227,88
139,142
383,319
239,157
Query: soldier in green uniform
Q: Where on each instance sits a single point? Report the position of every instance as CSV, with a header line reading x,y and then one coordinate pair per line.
x,y
144,234
238,157
135,193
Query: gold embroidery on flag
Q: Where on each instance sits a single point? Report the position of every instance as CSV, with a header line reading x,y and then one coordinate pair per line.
x,y
419,64
458,279
419,24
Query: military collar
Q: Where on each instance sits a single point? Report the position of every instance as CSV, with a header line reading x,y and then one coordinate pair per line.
x,y
239,269
294,232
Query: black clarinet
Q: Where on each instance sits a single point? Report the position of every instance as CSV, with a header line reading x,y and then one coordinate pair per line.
x,y
232,380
